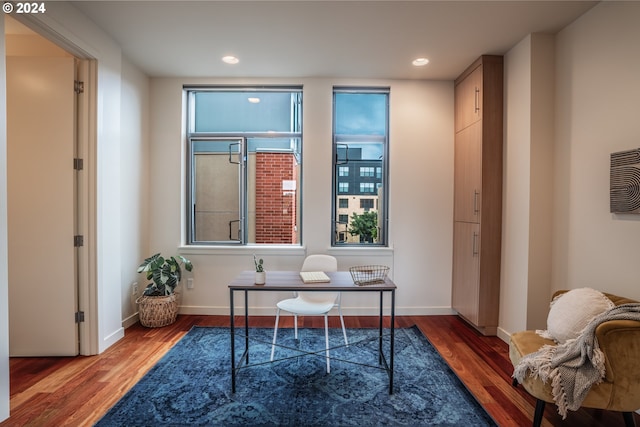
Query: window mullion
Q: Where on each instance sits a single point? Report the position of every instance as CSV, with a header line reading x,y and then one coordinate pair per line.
x,y
243,194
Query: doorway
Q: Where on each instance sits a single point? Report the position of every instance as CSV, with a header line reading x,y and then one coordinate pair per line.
x,y
46,197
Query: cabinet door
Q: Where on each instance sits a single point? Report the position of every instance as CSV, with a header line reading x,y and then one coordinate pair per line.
x,y
468,174
468,100
466,270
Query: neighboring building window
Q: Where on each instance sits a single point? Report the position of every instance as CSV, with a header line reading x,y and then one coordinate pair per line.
x,y
361,141
366,204
366,187
343,203
343,218
343,171
367,171
243,169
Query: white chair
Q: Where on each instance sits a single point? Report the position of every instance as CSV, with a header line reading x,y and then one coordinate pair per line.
x,y
312,303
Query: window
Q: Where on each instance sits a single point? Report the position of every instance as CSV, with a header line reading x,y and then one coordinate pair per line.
x,y
366,171
366,187
343,171
366,204
360,141
343,203
244,147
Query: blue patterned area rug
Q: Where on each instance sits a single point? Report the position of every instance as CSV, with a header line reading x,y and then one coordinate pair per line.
x,y
191,384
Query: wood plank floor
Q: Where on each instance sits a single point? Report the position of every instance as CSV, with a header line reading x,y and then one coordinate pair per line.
x,y
78,391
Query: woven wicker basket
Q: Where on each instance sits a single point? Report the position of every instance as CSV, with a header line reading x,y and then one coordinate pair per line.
x,y
369,274
156,312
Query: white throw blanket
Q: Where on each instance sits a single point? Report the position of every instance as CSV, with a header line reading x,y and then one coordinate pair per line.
x,y
576,365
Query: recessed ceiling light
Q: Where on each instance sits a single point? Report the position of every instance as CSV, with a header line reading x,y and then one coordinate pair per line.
x,y
230,59
253,100
420,62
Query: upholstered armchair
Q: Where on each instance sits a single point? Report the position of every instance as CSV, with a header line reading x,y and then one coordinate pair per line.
x,y
619,391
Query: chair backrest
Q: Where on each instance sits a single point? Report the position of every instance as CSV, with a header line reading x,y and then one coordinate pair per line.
x,y
320,262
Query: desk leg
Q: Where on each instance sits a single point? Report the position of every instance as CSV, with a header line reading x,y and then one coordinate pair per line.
x,y
380,331
233,343
246,324
392,340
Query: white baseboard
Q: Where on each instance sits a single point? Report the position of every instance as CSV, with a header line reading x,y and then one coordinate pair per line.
x,y
504,335
131,320
111,339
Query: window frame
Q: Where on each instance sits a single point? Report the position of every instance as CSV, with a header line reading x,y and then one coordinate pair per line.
x,y
337,141
192,136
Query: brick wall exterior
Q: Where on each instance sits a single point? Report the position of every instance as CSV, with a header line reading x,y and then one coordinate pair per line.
x,y
275,207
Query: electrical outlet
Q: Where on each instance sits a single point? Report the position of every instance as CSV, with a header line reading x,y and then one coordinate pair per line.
x,y
190,283
134,295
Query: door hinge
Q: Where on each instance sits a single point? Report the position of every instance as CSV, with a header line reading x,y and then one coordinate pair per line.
x,y
78,241
78,86
79,316
78,164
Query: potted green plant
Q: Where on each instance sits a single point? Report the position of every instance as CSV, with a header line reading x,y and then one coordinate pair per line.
x,y
158,305
261,276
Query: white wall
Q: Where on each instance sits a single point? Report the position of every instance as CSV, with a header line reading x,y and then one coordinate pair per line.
x,y
516,187
598,87
541,188
134,169
558,232
421,198
528,184
4,270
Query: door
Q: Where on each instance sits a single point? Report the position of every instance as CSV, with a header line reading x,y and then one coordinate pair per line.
x,y
40,152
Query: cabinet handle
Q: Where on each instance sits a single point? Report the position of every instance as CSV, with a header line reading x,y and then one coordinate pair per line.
x,y
474,249
476,100
475,202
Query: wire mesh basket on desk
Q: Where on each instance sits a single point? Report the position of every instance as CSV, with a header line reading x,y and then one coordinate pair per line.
x,y
369,274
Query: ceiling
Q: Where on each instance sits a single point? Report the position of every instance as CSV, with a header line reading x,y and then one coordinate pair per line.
x,y
360,39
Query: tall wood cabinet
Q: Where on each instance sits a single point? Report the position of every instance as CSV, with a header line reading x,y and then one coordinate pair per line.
x,y
478,193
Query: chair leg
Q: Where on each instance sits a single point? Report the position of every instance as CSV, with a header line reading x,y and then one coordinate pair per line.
x,y
628,419
295,326
344,331
326,340
537,415
275,334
